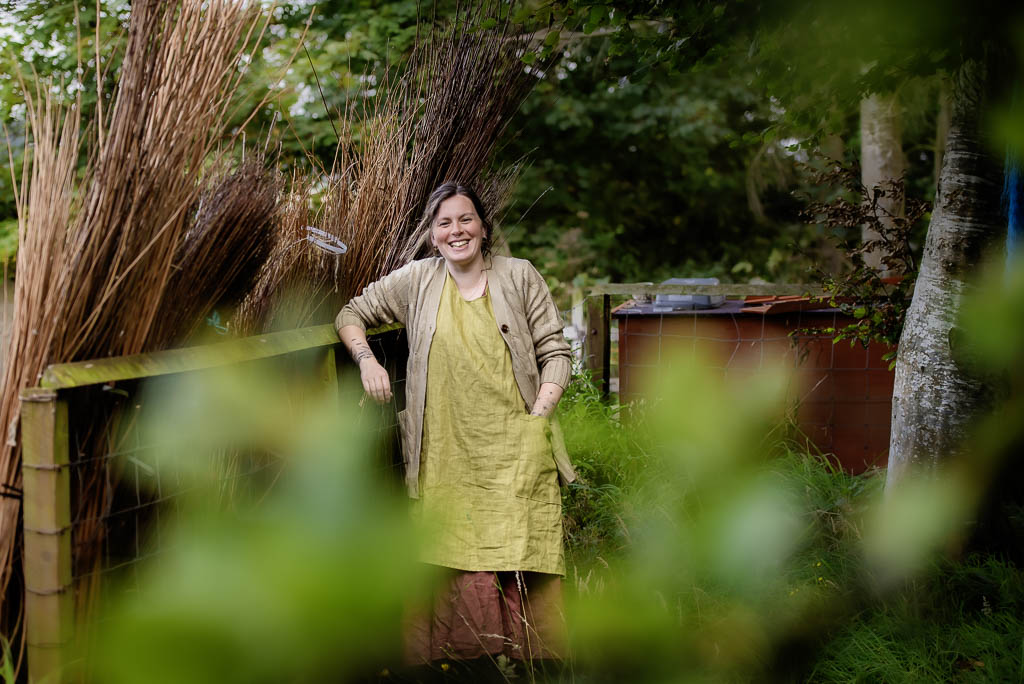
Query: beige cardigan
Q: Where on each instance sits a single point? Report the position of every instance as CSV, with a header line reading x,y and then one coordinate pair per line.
x,y
526,317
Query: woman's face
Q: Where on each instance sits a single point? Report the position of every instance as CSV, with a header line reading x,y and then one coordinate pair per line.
x,y
457,231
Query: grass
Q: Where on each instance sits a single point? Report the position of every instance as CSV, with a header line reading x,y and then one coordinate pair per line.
x,y
960,623
7,663
959,620
609,461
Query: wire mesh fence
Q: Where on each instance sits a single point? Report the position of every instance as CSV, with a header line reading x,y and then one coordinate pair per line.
x,y
122,496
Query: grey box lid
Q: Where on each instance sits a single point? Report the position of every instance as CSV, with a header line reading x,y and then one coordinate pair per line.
x,y
673,302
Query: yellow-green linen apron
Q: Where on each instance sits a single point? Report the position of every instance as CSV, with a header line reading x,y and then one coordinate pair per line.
x,y
489,496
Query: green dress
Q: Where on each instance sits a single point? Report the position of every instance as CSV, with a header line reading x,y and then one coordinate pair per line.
x,y
489,497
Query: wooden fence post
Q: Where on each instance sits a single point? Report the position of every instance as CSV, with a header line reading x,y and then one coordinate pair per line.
x,y
597,345
606,352
49,607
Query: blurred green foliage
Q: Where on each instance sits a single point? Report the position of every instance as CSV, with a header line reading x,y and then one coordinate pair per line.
x,y
301,575
736,557
702,545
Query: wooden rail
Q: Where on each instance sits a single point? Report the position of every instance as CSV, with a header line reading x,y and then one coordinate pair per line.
x,y
728,289
137,366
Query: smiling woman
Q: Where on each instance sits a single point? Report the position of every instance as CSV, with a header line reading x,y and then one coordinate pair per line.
x,y
483,453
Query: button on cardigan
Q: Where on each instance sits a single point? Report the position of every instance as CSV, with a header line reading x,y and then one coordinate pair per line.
x,y
526,317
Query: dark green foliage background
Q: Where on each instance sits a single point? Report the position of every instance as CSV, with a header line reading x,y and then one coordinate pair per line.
x,y
637,143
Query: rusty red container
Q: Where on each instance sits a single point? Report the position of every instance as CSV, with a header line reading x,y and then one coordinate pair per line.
x,y
842,394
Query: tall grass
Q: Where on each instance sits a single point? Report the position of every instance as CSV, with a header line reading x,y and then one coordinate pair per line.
x,y
609,460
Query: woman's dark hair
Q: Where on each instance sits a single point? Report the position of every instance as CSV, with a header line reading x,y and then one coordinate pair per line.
x,y
449,190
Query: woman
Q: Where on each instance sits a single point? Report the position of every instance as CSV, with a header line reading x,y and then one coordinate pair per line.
x,y
487,366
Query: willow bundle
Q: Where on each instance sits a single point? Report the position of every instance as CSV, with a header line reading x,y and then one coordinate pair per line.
x,y
223,249
44,204
93,272
438,120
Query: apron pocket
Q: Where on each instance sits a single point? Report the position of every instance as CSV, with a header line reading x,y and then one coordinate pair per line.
x,y
536,473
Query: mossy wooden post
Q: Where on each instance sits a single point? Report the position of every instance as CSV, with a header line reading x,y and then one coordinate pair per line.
x,y
49,619
597,345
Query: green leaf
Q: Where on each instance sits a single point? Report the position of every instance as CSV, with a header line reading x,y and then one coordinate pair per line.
x,y
552,38
528,58
595,17
488,23
522,15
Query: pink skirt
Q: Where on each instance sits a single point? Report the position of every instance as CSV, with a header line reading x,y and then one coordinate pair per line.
x,y
479,614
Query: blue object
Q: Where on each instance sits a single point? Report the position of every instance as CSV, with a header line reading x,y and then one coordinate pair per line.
x,y
214,322
1013,201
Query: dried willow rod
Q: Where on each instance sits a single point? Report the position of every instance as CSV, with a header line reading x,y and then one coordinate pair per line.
x,y
93,272
438,120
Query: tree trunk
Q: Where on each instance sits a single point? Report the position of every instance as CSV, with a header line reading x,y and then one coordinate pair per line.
x,y
881,160
935,400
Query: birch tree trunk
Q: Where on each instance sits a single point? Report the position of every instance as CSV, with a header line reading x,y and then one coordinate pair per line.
x,y
881,159
934,400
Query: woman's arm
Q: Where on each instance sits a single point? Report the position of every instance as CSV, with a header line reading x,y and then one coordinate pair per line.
x,y
382,302
550,347
375,379
547,399
554,360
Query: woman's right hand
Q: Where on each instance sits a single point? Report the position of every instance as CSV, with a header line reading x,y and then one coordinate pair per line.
x,y
375,380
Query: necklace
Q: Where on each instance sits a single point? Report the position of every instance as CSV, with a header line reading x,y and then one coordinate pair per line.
x,y
477,290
